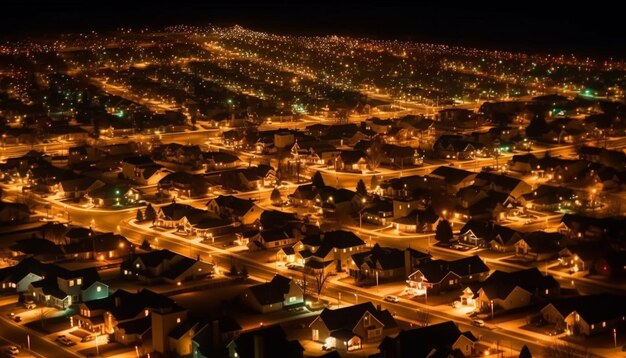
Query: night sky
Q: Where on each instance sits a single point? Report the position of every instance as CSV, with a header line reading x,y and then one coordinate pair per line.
x,y
593,29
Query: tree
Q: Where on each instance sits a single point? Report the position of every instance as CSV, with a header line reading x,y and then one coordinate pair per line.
x,y
443,233
423,318
139,216
374,183
320,276
233,270
375,154
317,180
564,350
145,245
537,127
525,352
244,273
150,213
276,197
360,188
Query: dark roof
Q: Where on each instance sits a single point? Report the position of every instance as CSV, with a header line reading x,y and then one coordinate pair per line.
x,y
388,258
450,175
237,205
500,284
346,318
436,270
141,160
136,326
421,342
341,239
593,308
127,305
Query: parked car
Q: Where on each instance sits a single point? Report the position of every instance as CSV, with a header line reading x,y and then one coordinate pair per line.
x,y
64,340
478,322
455,304
392,299
12,350
88,338
29,305
17,318
327,348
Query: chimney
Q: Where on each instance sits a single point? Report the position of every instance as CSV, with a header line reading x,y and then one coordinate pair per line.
x,y
379,307
259,349
215,333
118,301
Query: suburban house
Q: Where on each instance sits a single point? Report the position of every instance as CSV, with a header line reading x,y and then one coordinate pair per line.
x,y
347,328
184,185
62,288
17,278
540,245
502,184
509,290
191,220
489,234
332,248
453,178
164,266
122,307
588,256
418,220
587,315
550,198
212,337
437,340
385,263
441,275
13,212
280,293
77,187
143,170
236,209
272,238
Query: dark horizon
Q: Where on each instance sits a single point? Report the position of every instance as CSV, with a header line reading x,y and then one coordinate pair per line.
x,y
532,29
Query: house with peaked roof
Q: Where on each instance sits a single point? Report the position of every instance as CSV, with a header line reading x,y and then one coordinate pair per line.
x,y
437,340
347,328
453,178
331,250
19,277
62,288
540,245
489,234
587,315
510,290
384,263
230,207
143,170
440,275
280,293
164,266
212,337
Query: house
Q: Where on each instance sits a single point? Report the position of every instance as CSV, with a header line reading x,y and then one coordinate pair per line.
x,y
502,184
587,315
191,220
589,256
13,212
184,185
540,245
378,211
480,204
333,249
457,147
211,338
441,275
453,178
244,211
268,239
384,263
62,288
264,342
280,293
105,314
220,160
591,228
18,277
523,163
437,340
350,161
418,221
164,266
550,198
510,290
347,328
489,234
113,196
77,187
143,170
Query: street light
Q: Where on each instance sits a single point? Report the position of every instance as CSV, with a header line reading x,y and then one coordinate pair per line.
x,y
492,310
615,337
356,298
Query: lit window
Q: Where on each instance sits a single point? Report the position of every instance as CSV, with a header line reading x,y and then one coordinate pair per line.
x,y
71,283
603,324
178,320
79,281
146,312
99,289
